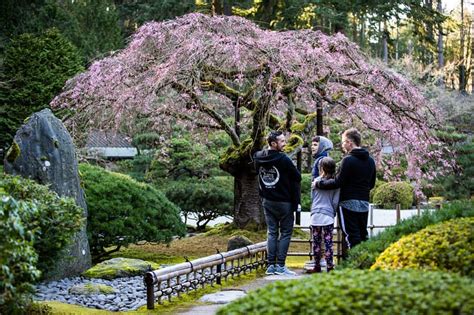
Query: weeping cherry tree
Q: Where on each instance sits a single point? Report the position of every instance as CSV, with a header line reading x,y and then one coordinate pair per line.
x,y
225,73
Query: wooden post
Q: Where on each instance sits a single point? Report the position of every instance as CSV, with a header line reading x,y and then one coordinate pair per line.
x,y
418,211
397,208
371,220
150,294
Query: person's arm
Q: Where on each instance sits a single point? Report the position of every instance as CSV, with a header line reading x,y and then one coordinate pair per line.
x,y
335,200
374,176
295,178
327,184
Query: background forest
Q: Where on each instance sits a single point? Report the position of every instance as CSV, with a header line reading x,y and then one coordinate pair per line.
x,y
43,43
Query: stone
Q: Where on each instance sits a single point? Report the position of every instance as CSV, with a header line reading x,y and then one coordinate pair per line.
x,y
238,241
43,150
120,267
91,288
223,297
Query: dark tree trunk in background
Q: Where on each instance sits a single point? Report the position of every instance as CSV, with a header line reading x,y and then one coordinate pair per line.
x,y
266,12
227,7
217,7
462,66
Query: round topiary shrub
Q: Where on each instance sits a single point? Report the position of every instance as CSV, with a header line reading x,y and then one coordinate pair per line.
x,y
204,199
123,211
390,194
448,246
362,292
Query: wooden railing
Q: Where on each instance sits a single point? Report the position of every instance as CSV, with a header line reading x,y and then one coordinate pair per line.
x,y
181,278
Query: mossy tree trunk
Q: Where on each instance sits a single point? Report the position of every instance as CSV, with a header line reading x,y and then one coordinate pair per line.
x,y
248,213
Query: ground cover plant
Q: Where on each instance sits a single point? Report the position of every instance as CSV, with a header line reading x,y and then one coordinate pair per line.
x,y
362,292
55,222
364,255
446,246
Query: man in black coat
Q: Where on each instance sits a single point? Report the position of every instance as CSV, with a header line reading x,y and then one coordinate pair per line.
x,y
356,177
279,187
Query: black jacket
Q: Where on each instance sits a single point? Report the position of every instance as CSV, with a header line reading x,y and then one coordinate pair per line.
x,y
356,176
278,178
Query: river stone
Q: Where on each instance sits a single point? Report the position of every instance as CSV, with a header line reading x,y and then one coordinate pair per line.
x,y
120,267
92,288
43,150
238,241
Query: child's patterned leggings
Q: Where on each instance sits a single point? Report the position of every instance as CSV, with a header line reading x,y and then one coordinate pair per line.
x,y
318,232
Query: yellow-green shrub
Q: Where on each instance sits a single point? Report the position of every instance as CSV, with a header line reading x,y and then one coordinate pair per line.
x,y
447,246
389,194
361,292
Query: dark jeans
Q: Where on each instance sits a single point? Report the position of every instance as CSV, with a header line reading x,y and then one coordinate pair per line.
x,y
279,218
354,228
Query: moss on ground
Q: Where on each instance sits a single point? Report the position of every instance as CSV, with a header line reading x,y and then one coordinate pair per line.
x,y
120,267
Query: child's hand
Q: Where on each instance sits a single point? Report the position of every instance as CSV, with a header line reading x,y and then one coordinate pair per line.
x,y
313,184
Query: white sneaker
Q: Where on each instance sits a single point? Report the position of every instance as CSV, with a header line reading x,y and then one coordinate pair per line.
x,y
322,263
284,271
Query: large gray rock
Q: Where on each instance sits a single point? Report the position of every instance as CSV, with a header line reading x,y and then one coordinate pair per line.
x,y
238,241
43,151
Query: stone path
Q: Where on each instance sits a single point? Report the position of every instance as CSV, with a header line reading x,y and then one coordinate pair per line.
x,y
227,295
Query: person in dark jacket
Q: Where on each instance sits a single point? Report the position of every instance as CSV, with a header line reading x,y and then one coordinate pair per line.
x,y
279,187
356,177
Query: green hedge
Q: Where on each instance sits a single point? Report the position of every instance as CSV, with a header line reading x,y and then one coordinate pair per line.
x,y
55,222
306,192
364,255
389,194
362,292
124,211
447,246
18,258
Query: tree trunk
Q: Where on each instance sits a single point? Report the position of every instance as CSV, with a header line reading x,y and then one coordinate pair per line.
x,y
217,7
385,43
228,7
248,212
266,12
440,39
462,66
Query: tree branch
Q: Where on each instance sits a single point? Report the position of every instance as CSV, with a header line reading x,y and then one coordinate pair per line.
x,y
209,111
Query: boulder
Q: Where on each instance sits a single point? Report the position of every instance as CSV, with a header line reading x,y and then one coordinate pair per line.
x,y
43,151
120,267
238,241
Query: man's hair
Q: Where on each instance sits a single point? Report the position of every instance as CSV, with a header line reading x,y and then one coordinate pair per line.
x,y
327,167
353,135
315,139
272,136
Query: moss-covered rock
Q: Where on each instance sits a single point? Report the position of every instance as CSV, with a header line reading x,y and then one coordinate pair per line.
x,y
91,288
120,267
392,193
362,292
448,246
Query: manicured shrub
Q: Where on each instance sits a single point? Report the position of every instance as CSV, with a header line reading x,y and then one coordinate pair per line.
x,y
390,194
36,66
364,255
205,199
124,211
55,222
447,246
18,258
306,192
362,292
378,183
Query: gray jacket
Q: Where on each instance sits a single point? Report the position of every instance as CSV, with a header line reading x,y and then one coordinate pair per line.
x,y
325,201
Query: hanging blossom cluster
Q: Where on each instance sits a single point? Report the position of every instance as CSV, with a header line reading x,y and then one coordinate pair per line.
x,y
196,69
